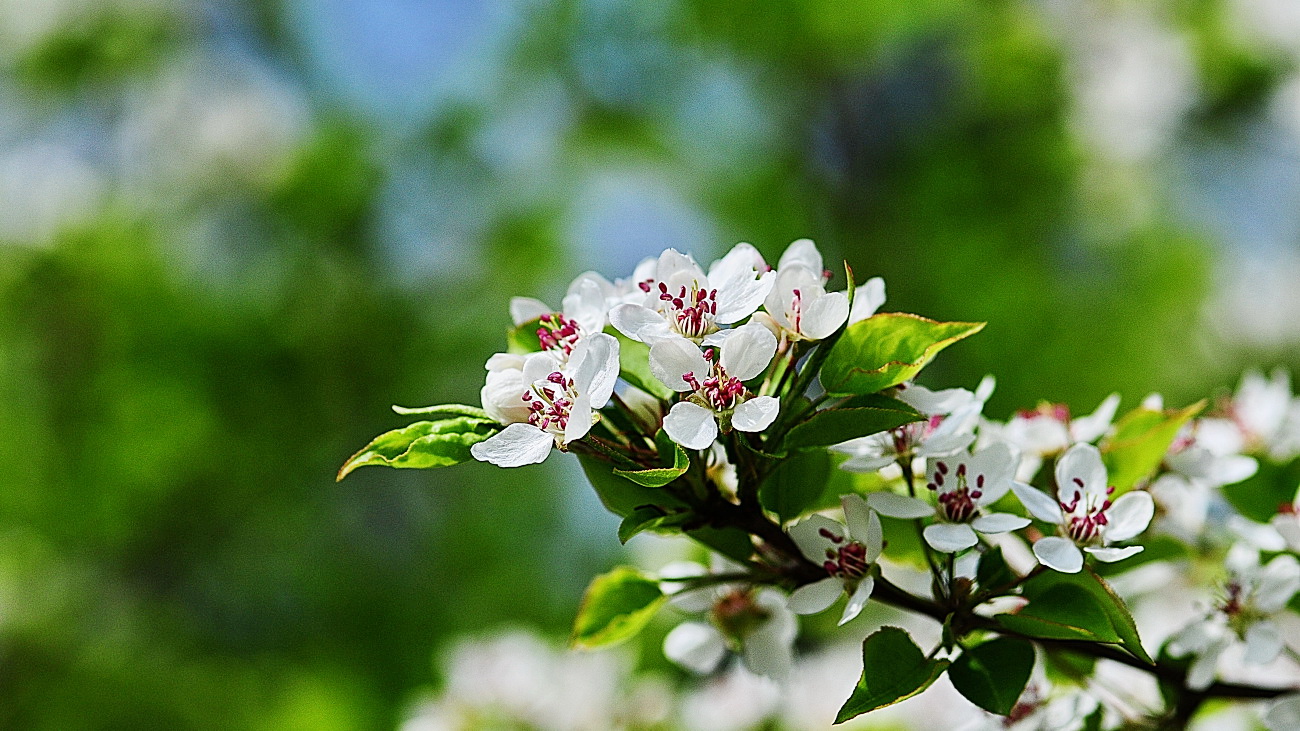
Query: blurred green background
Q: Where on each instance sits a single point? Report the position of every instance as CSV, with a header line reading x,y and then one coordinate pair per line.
x,y
232,233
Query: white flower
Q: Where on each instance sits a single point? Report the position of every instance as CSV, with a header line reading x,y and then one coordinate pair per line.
x,y
800,308
1252,595
964,484
683,301
503,392
561,403
953,413
1049,430
583,313
846,555
1084,510
1260,418
718,392
754,620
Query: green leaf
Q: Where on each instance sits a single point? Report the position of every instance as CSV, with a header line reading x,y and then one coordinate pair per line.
x,y
445,411
1078,606
796,485
650,518
1259,496
616,607
1139,443
993,571
993,675
731,542
886,349
893,670
634,366
660,476
832,426
622,496
423,445
523,338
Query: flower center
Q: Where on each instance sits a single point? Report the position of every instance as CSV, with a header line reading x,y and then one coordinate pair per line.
x,y
719,389
957,503
691,311
558,333
737,614
847,560
908,436
1086,513
549,402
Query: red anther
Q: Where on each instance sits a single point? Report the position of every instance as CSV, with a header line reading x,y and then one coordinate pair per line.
x,y
943,468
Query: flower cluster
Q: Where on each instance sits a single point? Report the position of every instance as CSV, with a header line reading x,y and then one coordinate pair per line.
x,y
707,402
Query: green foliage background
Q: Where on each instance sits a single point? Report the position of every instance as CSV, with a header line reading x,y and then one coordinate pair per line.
x,y
185,365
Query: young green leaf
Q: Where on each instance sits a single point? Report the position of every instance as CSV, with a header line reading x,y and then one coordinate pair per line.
x,y
620,495
993,675
523,338
1078,606
886,349
1140,441
993,571
796,484
893,670
650,518
832,426
616,607
423,445
660,476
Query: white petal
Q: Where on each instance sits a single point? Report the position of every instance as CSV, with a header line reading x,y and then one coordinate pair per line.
x,y
748,351
801,252
1278,582
1112,554
1283,714
864,525
1263,643
1037,502
767,653
580,419
867,298
858,600
999,523
997,463
950,537
672,358
1130,514
594,365
866,463
741,264
514,446
817,596
1089,428
691,425
944,445
756,414
524,309
638,322
807,534
1080,468
899,506
695,646
1058,553
1201,673
824,315
585,303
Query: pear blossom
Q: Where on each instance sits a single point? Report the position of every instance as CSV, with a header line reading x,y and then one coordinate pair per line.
x,y
682,301
845,553
964,484
755,622
1253,594
1261,417
1287,523
950,428
1085,512
583,313
1049,430
716,385
561,403
503,392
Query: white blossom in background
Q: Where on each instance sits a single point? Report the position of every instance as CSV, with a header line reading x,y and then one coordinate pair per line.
x,y
685,302
718,398
952,413
964,485
48,190
755,622
1253,594
1260,418
1047,431
845,552
1087,516
561,403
